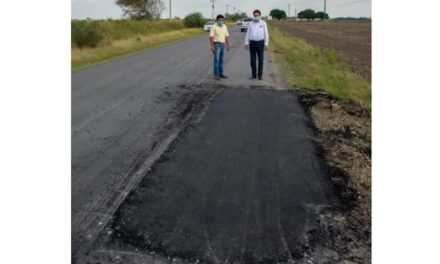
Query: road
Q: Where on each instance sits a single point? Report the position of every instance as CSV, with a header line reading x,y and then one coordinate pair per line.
x,y
180,157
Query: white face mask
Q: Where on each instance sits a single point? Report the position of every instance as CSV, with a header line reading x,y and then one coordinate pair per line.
x,y
257,18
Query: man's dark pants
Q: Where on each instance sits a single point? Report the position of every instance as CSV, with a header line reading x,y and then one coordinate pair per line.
x,y
256,48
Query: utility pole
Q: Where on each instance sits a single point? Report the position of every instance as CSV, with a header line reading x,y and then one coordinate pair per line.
x,y
325,8
227,9
234,9
170,10
289,9
213,8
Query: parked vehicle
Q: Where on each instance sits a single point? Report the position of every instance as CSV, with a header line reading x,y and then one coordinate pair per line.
x,y
245,24
208,26
239,23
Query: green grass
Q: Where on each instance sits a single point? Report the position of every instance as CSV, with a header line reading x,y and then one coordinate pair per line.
x,y
86,57
312,68
123,37
124,28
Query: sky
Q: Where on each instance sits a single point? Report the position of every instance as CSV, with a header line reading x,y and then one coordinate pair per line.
x,y
335,8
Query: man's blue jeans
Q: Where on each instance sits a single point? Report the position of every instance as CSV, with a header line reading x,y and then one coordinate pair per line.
x,y
218,58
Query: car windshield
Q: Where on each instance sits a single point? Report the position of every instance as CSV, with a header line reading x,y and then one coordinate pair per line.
x,y
248,19
210,23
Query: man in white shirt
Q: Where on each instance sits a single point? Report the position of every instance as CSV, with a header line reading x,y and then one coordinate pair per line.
x,y
257,40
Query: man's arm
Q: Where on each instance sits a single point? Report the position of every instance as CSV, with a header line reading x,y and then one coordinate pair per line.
x,y
246,40
211,39
227,38
266,36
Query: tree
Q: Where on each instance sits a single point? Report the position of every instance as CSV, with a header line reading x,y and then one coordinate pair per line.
x,y
321,15
141,9
194,20
278,14
236,16
308,14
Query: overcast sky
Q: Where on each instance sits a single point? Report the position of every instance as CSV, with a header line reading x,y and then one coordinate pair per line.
x,y
180,8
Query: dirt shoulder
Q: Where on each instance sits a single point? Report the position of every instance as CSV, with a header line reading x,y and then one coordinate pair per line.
x,y
351,39
344,129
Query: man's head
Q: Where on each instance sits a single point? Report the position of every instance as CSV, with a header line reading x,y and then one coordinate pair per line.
x,y
220,20
257,14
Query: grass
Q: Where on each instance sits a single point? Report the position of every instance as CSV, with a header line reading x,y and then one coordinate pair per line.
x,y
125,28
122,29
84,57
121,37
312,68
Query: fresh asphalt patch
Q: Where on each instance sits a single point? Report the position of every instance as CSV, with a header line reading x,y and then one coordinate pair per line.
x,y
242,183
186,104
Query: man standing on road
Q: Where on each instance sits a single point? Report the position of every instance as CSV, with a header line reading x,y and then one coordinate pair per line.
x,y
219,39
257,40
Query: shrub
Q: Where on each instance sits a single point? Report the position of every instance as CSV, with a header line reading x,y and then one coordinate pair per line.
x,y
86,33
122,29
194,20
90,33
332,56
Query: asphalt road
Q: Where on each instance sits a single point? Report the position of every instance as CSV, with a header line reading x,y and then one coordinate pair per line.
x,y
244,169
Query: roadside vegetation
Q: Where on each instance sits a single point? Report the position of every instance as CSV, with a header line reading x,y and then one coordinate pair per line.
x,y
311,68
94,41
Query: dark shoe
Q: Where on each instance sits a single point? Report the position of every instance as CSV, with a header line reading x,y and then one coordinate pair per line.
x,y
224,76
260,78
253,78
217,78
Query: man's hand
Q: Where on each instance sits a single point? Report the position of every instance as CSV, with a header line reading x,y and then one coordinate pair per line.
x,y
246,46
266,47
212,49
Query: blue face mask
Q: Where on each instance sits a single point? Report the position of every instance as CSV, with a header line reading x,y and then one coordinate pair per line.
x,y
220,23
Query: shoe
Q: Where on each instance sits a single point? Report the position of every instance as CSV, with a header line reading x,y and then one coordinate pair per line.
x,y
217,78
223,76
253,78
260,78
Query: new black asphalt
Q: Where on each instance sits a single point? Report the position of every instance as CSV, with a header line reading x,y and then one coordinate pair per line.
x,y
240,186
243,183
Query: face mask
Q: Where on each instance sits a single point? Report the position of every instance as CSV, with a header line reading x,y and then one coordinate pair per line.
x,y
257,18
220,23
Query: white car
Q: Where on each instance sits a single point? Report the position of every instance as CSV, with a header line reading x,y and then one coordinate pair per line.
x,y
238,23
208,26
245,24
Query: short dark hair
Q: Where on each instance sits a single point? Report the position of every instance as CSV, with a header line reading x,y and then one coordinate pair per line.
x,y
220,16
256,11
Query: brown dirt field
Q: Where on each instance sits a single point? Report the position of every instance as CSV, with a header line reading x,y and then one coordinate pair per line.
x,y
351,39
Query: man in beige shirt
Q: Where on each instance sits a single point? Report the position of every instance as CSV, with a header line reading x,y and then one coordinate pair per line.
x,y
219,39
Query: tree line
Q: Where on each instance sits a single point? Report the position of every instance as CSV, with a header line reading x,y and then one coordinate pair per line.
x,y
308,14
151,9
